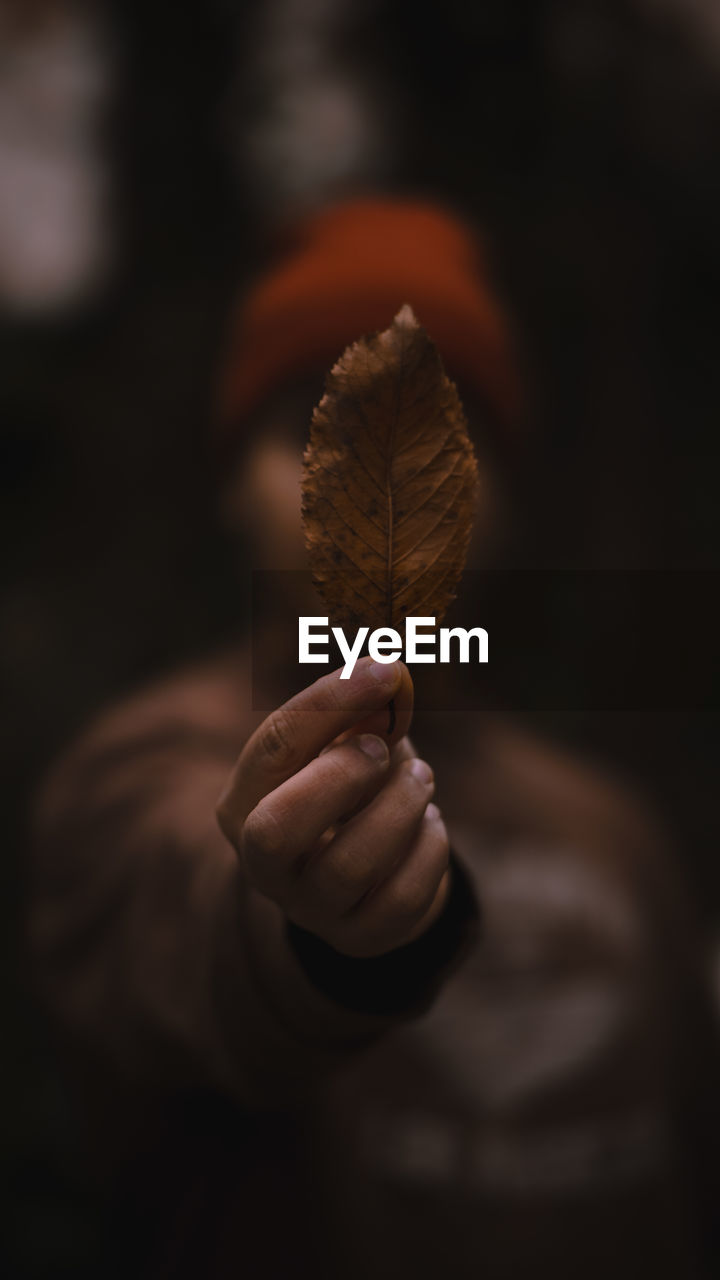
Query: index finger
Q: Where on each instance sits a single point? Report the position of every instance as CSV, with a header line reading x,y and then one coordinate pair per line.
x,y
297,731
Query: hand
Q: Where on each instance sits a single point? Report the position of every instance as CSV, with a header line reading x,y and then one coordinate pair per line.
x,y
333,819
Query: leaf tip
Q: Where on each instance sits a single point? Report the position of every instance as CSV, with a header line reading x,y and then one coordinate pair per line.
x,y
406,318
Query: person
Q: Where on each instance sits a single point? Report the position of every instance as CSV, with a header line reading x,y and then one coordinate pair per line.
x,y
337,1001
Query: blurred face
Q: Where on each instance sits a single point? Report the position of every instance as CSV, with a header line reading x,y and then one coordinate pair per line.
x,y
265,503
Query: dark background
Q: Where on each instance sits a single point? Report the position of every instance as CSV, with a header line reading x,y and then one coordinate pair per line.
x,y
584,136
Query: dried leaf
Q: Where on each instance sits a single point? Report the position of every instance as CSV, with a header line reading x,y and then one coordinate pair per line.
x,y
389,482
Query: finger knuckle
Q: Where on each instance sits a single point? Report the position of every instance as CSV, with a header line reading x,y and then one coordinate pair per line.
x,y
348,877
263,840
326,696
276,739
412,899
414,895
343,769
412,800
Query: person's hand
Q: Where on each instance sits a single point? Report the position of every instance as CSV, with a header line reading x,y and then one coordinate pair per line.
x,y
333,818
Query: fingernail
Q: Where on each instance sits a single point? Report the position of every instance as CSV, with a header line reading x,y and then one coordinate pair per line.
x,y
384,673
432,812
420,770
373,746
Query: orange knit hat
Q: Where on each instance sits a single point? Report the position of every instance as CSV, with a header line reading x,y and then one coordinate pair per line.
x,y
350,270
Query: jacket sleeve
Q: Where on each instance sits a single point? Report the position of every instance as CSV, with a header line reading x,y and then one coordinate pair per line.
x,y
157,961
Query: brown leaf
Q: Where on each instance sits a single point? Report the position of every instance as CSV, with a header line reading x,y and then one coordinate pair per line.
x,y
389,482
